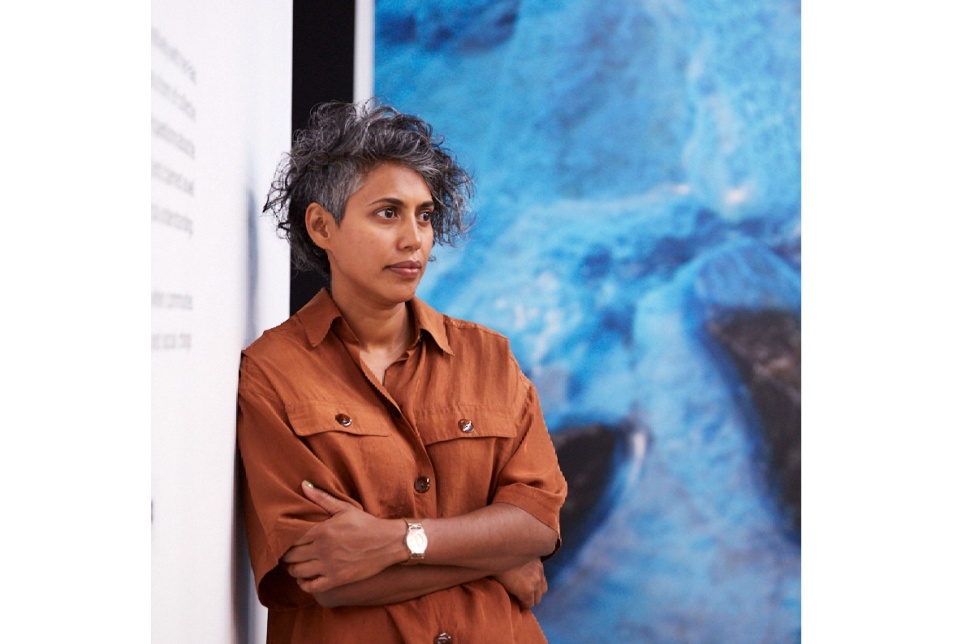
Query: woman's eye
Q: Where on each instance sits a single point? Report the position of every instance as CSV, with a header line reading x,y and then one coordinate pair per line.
x,y
426,217
386,213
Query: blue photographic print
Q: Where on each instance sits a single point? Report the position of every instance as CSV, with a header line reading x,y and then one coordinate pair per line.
x,y
638,200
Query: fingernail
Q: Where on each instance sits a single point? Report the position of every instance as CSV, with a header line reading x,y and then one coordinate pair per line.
x,y
307,484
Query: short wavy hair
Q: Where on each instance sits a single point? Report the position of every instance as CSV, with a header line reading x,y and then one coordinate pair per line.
x,y
332,156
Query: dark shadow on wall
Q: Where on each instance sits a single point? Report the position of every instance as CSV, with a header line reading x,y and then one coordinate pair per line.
x,y
251,299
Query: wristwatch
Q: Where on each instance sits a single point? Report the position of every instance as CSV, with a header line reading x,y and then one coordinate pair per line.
x,y
416,540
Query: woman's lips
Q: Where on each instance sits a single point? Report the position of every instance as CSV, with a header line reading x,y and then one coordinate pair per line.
x,y
406,269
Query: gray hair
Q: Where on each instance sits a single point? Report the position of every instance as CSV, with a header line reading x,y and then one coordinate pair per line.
x,y
333,155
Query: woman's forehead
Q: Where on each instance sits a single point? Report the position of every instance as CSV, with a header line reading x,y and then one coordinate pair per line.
x,y
394,180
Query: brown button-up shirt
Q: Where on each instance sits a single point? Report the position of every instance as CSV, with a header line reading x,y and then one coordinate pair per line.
x,y
455,426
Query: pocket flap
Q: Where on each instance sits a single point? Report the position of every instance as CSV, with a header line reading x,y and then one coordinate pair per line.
x,y
462,423
319,416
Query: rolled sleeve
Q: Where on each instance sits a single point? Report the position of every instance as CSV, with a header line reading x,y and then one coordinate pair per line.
x,y
531,479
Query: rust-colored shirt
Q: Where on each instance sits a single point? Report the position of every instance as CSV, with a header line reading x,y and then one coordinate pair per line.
x,y
309,409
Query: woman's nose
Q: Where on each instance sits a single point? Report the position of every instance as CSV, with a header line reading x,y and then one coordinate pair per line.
x,y
412,232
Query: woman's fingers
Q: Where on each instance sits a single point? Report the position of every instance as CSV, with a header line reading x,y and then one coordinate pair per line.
x,y
323,499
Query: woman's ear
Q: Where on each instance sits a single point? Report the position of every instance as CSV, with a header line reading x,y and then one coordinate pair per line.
x,y
319,223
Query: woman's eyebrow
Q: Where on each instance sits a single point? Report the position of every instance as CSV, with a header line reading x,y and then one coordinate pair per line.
x,y
393,201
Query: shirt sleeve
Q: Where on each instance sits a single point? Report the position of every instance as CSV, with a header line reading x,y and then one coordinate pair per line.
x,y
531,479
275,462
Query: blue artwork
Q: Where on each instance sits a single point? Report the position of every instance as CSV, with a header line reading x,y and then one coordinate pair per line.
x,y
637,165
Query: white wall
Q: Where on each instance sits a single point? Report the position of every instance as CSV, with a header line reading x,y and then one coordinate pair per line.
x,y
220,108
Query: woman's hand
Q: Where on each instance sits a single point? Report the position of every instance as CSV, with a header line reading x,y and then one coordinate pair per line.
x,y
527,582
349,546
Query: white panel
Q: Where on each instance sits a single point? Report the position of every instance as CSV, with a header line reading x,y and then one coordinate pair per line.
x,y
220,112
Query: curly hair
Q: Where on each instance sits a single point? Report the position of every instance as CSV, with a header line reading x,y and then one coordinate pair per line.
x,y
333,155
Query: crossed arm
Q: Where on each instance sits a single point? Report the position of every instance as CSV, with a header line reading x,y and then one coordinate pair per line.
x,y
352,558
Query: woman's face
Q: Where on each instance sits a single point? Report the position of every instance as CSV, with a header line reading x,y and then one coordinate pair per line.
x,y
378,252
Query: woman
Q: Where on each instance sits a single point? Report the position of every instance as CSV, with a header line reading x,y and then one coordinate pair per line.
x,y
400,482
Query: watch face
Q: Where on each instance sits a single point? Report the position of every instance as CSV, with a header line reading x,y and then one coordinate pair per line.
x,y
417,542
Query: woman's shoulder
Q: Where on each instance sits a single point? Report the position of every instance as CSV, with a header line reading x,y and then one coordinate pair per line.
x,y
474,341
457,333
286,337
468,327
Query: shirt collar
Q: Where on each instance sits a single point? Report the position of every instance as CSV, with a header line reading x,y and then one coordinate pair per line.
x,y
318,315
433,322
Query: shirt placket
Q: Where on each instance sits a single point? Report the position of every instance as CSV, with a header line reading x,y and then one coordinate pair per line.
x,y
424,482
425,486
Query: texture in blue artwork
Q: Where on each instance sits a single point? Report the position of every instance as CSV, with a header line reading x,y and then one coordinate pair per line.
x,y
637,167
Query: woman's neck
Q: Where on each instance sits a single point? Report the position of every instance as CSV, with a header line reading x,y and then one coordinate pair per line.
x,y
379,330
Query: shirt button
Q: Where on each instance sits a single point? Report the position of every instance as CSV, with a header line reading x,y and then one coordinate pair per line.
x,y
422,484
443,638
343,420
466,426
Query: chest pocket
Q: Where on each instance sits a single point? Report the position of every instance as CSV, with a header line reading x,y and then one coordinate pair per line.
x,y
318,417
469,446
357,447
464,424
